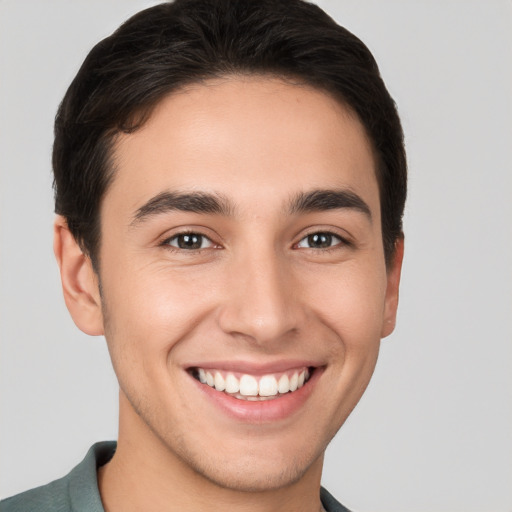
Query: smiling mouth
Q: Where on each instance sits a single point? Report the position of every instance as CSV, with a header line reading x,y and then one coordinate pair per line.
x,y
249,387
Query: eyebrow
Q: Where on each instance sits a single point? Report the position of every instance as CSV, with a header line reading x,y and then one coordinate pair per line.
x,y
320,200
211,203
195,202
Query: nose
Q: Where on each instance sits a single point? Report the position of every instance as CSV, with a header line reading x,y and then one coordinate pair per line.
x,y
261,299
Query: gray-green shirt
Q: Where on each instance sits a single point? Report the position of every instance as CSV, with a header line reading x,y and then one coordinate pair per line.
x,y
78,490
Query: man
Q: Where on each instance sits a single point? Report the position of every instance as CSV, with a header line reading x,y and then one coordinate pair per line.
x,y
230,181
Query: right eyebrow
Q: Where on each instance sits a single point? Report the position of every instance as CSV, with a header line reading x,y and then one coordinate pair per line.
x,y
195,202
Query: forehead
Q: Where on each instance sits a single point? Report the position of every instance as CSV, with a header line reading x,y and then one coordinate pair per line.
x,y
252,139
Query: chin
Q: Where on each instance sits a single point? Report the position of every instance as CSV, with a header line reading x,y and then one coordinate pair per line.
x,y
252,473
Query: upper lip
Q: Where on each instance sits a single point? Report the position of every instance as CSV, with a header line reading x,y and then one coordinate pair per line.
x,y
254,368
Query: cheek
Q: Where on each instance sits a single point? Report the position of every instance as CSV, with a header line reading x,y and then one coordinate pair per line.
x,y
150,309
350,299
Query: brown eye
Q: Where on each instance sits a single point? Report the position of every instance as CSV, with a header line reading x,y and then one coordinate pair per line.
x,y
319,240
190,241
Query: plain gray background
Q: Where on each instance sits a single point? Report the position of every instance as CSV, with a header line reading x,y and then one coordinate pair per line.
x,y
434,431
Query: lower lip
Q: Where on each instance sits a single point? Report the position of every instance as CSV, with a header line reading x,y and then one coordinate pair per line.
x,y
261,411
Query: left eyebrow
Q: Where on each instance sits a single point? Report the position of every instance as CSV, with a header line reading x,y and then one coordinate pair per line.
x,y
321,200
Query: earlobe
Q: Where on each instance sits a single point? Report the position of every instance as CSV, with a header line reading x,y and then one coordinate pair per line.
x,y
392,289
79,281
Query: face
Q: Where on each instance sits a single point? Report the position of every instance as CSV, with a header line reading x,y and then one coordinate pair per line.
x,y
244,288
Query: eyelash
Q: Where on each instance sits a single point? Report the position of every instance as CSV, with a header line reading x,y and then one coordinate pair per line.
x,y
167,241
328,234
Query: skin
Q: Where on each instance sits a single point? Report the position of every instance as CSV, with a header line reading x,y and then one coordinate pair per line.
x,y
257,293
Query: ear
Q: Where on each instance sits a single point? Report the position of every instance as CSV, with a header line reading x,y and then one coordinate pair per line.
x,y
80,283
393,284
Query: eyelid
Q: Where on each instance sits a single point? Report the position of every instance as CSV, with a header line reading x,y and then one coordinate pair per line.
x,y
165,240
342,234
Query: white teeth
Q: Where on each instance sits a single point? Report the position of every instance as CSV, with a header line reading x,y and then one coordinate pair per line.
x,y
232,384
248,385
219,382
268,386
284,384
301,380
294,382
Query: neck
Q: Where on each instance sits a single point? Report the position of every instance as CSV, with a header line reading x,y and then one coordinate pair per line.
x,y
145,474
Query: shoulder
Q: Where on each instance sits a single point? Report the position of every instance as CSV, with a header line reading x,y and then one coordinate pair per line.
x,y
330,503
53,496
75,492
